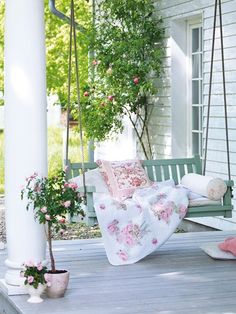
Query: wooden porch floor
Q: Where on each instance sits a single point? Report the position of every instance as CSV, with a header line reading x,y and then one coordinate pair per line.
x,y
178,278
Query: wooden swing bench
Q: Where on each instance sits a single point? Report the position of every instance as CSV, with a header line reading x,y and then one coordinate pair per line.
x,y
159,170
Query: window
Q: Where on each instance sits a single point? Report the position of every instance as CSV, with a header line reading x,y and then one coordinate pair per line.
x,y
196,90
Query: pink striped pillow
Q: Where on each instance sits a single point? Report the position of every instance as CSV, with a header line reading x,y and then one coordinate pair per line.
x,y
123,177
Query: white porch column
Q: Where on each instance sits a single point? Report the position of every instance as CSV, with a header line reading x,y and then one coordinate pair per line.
x,y
25,128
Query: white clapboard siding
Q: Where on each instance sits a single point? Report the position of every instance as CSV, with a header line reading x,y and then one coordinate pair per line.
x,y
162,120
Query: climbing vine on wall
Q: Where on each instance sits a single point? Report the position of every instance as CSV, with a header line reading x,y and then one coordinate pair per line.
x,y
128,46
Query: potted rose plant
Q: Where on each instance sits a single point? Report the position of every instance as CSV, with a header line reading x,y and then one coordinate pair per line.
x,y
35,280
52,200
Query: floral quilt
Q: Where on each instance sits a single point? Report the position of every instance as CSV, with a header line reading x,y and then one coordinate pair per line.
x,y
134,228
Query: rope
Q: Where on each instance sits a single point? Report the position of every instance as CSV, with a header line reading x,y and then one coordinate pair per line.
x,y
224,90
68,99
78,95
210,86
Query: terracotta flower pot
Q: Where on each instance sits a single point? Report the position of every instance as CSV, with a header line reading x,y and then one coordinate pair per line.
x,y
58,282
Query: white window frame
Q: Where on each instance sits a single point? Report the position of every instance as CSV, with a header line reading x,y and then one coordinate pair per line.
x,y
196,23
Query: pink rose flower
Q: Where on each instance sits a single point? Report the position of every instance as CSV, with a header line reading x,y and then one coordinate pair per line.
x,y
44,209
47,217
30,279
30,263
47,277
72,185
39,266
95,62
110,98
136,80
86,94
62,220
67,204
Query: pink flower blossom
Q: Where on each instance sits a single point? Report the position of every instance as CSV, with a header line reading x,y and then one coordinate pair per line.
x,y
30,279
44,209
71,185
30,263
67,204
47,217
86,94
136,80
47,277
95,62
39,266
62,220
110,98
123,255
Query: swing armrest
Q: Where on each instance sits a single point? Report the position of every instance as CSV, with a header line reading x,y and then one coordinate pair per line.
x,y
228,195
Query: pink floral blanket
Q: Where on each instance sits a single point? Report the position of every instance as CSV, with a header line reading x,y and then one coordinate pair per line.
x,y
136,227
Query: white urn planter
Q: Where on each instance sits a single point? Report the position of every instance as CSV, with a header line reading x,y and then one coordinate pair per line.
x,y
58,283
35,293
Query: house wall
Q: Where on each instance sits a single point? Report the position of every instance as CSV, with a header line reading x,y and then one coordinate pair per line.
x,y
168,132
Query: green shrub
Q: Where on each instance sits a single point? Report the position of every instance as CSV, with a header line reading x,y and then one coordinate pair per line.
x,y
55,151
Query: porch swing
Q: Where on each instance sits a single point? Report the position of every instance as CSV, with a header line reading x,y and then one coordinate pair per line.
x,y
159,169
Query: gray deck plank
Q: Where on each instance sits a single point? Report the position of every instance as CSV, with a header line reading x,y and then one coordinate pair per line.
x,y
178,278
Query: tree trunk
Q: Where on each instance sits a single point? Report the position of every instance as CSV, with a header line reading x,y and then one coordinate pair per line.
x,y
53,267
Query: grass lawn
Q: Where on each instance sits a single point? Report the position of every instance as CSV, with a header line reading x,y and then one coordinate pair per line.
x,y
55,151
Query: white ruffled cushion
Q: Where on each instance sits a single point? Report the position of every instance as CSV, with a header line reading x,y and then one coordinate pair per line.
x,y
212,188
92,178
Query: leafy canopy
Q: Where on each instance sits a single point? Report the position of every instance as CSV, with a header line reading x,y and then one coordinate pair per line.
x,y
128,48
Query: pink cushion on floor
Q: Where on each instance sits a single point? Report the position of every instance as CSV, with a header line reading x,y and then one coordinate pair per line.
x,y
229,245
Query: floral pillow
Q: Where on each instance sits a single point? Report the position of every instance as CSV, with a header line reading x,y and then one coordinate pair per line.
x,y
123,177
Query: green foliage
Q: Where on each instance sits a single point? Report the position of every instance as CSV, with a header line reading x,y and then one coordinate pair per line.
x,y
128,47
34,274
55,147
57,48
52,198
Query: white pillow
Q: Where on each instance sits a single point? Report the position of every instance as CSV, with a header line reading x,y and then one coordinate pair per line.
x,y
212,188
92,178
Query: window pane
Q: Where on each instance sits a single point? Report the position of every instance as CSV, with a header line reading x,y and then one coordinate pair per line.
x,y
195,139
195,66
195,118
195,92
195,40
